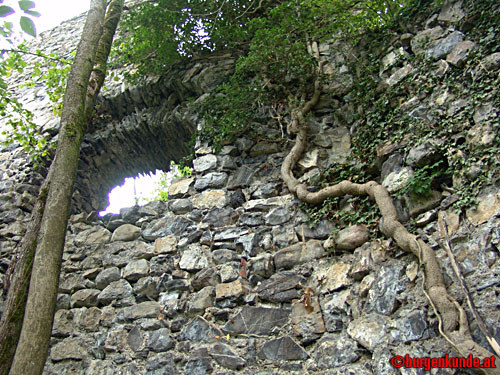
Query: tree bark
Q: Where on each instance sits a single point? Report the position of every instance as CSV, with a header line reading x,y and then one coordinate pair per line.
x,y
47,233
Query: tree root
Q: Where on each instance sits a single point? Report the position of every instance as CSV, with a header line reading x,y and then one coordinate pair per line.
x,y
453,320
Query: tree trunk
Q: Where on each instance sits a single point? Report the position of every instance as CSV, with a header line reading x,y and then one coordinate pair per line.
x,y
48,230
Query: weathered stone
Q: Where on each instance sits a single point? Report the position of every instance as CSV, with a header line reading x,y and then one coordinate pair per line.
x,y
205,163
241,178
180,206
424,154
201,300
136,269
451,12
94,235
351,237
441,47
268,203
336,350
257,320
397,180
422,39
135,338
166,245
382,297
222,256
319,231
333,277
220,217
481,134
70,348
160,366
226,357
198,366
90,319
160,340
126,232
267,190
229,272
281,287
74,282
251,219
248,243
63,323
309,159
307,320
263,148
491,62
458,55
146,289
489,206
369,330
211,180
194,258
179,187
85,298
282,349
200,330
116,290
233,289
107,276
400,74
335,311
277,216
262,265
148,309
299,253
168,225
411,327
204,278
210,199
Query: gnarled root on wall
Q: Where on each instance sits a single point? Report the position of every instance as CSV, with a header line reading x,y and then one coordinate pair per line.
x,y
453,320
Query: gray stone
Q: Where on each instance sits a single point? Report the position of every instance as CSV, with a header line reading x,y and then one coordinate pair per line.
x,y
281,287
257,320
263,148
85,298
201,300
200,330
107,276
277,216
115,291
411,326
336,350
90,319
424,154
198,366
168,225
63,323
148,309
74,282
241,178
418,204
282,349
491,62
194,258
262,265
319,231
383,295
205,163
331,277
229,272
146,289
136,269
489,206
220,217
267,190
70,348
225,357
441,47
180,206
135,338
397,180
126,232
369,330
160,366
160,340
299,253
451,12
94,235
422,39
335,311
248,243
269,203
211,180
351,237
204,278
458,55
222,256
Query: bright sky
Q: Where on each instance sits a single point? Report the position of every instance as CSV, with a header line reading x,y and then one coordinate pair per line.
x,y
53,12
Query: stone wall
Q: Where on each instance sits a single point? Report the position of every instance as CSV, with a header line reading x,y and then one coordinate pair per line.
x,y
227,277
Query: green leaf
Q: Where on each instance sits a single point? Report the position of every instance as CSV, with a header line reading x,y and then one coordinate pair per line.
x,y
5,11
28,26
26,4
33,13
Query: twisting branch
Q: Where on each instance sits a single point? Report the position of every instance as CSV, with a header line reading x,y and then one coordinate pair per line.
x,y
454,326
